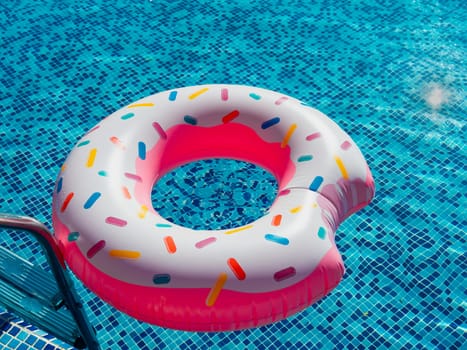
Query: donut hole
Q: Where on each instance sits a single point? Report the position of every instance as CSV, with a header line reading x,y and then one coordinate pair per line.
x,y
214,194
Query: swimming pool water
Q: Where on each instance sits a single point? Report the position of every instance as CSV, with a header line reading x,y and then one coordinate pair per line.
x,y
391,73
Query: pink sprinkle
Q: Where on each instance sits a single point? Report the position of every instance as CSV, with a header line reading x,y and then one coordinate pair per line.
x,y
133,177
96,248
111,220
313,136
224,94
346,145
281,100
159,130
285,273
205,242
93,129
284,193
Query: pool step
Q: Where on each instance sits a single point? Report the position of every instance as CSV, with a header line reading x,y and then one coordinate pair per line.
x,y
32,294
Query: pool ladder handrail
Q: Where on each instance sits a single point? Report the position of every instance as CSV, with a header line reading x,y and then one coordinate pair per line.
x,y
57,264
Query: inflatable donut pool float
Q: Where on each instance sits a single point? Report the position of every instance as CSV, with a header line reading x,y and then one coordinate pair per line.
x,y
209,280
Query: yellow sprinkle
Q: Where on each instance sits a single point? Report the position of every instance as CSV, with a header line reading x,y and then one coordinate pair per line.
x,y
288,135
295,210
142,213
197,93
124,254
342,168
235,230
91,157
62,169
136,105
315,205
216,289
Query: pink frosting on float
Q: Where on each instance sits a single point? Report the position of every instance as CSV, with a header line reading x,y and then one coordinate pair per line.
x,y
187,143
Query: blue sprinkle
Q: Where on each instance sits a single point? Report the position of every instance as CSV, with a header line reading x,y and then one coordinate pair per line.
x,y
173,96
73,236
162,278
59,185
84,143
318,180
305,158
190,120
255,96
91,200
127,116
142,150
322,233
277,239
163,225
270,122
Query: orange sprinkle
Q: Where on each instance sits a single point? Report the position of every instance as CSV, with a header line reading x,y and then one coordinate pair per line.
x,y
66,201
276,220
170,244
197,93
235,230
288,135
340,165
124,254
216,289
91,157
236,269
116,141
126,193
295,210
149,104
62,169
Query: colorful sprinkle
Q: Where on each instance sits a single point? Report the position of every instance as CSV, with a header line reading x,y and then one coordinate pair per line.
x,y
141,150
284,193
224,94
127,116
270,122
305,158
84,143
317,181
135,105
91,158
277,239
66,201
216,289
91,200
93,129
190,120
170,244
322,233
126,193
313,136
235,230
255,96
96,248
276,220
236,269
59,184
133,177
346,145
295,210
203,243
161,278
159,130
112,220
124,254
173,96
285,273
230,116
116,141
73,236
143,211
288,135
163,225
197,93
102,173
281,100
341,167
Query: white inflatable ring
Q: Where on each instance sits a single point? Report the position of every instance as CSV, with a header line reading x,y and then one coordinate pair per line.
x,y
207,280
